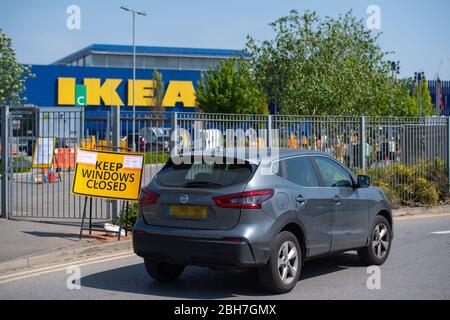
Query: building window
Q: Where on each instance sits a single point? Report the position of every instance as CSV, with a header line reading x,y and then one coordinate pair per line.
x,y
196,63
149,62
120,61
99,60
140,62
167,62
88,60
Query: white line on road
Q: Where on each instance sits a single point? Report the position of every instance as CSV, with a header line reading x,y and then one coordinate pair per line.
x,y
441,232
421,216
61,267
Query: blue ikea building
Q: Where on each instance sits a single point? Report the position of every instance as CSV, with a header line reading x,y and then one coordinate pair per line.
x,y
106,72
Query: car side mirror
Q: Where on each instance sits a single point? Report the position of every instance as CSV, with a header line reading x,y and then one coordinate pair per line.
x,y
364,181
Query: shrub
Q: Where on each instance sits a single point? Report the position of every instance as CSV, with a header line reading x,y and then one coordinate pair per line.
x,y
425,192
425,183
132,217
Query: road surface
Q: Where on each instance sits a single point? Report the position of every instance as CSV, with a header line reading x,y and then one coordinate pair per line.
x,y
418,268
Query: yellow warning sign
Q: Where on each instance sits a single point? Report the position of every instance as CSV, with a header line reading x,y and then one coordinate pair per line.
x,y
108,175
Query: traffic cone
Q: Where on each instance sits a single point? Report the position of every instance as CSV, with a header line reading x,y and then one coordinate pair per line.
x,y
51,177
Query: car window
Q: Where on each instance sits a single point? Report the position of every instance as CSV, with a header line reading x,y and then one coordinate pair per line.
x,y
173,175
333,174
299,171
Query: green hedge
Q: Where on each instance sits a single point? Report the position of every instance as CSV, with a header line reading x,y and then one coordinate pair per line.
x,y
423,184
156,158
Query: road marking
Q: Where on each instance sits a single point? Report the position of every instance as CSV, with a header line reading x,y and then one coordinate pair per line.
x,y
441,232
421,216
62,267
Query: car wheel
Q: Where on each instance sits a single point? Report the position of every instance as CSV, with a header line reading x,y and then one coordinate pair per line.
x,y
162,271
282,271
377,252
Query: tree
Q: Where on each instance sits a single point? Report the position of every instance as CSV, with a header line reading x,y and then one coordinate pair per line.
x,y
424,97
406,105
12,74
231,87
158,94
323,67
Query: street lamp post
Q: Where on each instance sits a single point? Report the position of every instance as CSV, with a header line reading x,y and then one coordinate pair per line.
x,y
134,13
395,69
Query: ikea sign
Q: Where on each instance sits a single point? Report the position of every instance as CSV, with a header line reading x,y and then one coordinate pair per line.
x,y
104,92
99,88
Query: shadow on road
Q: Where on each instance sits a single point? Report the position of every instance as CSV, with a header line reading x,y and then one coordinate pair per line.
x,y
201,283
332,264
68,236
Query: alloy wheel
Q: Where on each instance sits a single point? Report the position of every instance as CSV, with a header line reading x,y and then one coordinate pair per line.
x,y
380,240
288,262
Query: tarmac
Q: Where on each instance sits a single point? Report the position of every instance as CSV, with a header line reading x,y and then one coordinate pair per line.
x,y
26,245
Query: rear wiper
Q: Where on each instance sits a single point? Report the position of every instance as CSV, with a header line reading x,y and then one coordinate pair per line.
x,y
203,184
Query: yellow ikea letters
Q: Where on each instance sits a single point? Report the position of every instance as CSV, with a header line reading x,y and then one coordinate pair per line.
x,y
66,91
179,92
106,93
144,93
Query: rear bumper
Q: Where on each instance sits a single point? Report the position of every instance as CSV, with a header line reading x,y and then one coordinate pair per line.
x,y
149,242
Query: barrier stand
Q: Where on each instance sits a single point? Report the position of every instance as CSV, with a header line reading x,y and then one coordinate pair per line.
x,y
124,211
125,207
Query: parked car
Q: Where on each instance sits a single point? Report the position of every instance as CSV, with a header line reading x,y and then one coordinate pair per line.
x,y
155,139
138,140
269,213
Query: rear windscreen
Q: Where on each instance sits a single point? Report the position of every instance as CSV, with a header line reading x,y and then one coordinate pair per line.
x,y
204,174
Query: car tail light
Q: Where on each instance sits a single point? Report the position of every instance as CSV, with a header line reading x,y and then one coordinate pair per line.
x,y
147,196
244,200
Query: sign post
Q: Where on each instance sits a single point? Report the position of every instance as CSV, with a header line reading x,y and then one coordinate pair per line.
x,y
108,175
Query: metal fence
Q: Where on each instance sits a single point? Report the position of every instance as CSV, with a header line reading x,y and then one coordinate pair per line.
x,y
398,153
394,151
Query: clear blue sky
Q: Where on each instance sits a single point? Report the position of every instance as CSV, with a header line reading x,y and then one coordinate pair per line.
x,y
418,31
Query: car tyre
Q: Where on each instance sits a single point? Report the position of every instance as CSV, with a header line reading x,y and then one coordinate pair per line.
x,y
162,271
377,252
282,271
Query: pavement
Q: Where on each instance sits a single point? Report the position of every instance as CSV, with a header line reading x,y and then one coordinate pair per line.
x,y
28,245
418,268
23,238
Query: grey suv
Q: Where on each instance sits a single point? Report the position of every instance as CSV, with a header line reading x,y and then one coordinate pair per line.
x,y
271,213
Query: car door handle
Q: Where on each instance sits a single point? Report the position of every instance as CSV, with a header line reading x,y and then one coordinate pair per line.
x,y
337,199
300,199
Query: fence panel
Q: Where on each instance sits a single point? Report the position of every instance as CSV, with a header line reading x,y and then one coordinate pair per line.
x,y
45,193
398,153
405,156
401,152
338,136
